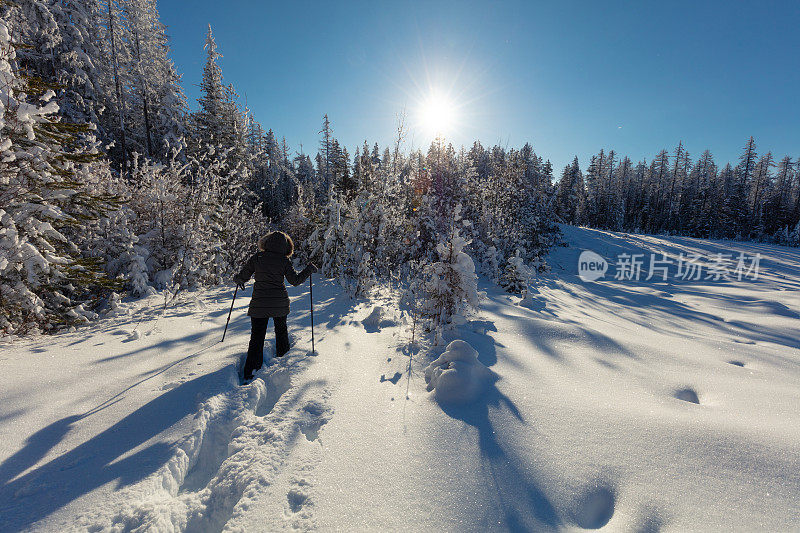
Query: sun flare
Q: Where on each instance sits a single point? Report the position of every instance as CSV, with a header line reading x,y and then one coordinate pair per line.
x,y
437,114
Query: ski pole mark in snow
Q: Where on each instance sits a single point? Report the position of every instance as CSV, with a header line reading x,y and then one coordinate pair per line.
x,y
393,380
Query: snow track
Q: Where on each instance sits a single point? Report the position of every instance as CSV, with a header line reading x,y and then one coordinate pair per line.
x,y
239,445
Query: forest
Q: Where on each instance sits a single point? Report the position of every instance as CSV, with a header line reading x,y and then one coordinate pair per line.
x,y
113,184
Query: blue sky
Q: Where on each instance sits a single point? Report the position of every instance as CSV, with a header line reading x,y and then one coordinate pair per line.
x,y
570,77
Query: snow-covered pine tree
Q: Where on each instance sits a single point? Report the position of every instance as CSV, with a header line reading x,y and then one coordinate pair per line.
x,y
794,236
591,207
62,47
45,280
328,240
158,104
450,285
516,276
191,228
571,194
738,217
299,222
617,194
114,60
778,205
490,266
365,275
113,237
759,193
325,158
218,121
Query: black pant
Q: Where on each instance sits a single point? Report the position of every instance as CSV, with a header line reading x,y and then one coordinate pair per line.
x,y
255,353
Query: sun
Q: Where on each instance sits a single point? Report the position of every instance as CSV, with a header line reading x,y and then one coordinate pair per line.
x,y
437,114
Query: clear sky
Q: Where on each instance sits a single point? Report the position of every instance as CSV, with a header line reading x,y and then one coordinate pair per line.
x,y
569,77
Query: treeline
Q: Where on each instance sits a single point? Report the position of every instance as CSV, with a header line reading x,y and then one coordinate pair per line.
x,y
758,199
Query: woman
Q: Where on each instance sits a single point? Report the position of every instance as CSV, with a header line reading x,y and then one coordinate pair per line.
x,y
270,299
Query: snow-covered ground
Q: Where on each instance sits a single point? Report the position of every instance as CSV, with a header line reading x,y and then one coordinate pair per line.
x,y
631,406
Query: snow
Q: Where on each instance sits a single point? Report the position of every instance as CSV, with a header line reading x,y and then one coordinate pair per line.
x,y
377,319
457,376
621,405
373,320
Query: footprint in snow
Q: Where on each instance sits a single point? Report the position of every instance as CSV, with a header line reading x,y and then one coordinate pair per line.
x,y
171,385
650,522
315,415
687,395
297,499
594,507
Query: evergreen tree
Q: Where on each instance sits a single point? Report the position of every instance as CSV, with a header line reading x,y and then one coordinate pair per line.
x,y
450,286
516,275
570,196
157,99
45,280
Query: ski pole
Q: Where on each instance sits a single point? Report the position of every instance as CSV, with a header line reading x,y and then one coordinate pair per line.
x,y
311,301
229,313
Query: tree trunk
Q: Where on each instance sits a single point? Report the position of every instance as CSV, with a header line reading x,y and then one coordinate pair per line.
x,y
145,108
120,103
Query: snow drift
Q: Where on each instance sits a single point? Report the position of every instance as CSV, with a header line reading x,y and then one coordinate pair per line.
x,y
457,376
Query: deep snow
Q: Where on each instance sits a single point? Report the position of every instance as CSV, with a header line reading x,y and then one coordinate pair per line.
x,y
632,406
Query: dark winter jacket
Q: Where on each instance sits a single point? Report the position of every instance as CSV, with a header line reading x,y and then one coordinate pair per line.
x,y
270,266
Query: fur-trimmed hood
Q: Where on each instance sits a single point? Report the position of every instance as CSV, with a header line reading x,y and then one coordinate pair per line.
x,y
277,242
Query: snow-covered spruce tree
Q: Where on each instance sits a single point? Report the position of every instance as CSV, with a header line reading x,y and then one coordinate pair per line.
x,y
536,230
490,266
328,241
219,121
794,236
398,230
366,274
369,226
363,245
63,48
113,237
190,220
300,221
45,280
512,205
570,194
109,61
158,105
516,276
357,275
450,288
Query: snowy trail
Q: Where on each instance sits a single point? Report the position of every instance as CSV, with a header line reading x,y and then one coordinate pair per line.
x,y
621,405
